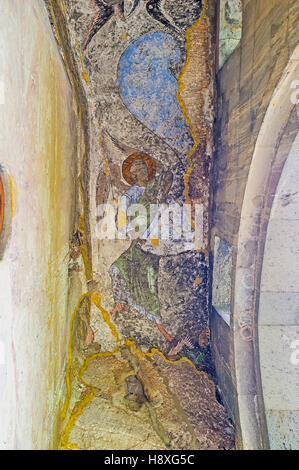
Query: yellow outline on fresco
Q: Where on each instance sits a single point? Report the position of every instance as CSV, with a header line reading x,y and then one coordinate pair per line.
x,y
84,72
95,298
186,114
182,102
13,194
79,407
103,154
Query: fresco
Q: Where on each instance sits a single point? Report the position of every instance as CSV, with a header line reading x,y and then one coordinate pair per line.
x,y
139,372
105,9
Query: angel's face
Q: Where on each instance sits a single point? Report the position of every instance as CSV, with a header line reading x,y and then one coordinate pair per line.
x,y
139,172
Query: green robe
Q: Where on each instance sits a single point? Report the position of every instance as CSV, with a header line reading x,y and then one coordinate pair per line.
x,y
140,269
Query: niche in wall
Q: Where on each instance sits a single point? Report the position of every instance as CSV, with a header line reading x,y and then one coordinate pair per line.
x,y
230,28
222,278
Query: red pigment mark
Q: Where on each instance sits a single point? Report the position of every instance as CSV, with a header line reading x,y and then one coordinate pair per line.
x,y
96,16
184,342
118,308
119,13
164,333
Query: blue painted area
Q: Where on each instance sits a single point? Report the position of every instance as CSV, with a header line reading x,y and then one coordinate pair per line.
x,y
149,89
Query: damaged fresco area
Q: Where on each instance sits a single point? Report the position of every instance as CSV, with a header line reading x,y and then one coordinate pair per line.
x,y
145,143
144,324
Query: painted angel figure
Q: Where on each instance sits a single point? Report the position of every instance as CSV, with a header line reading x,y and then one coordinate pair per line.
x,y
104,10
134,274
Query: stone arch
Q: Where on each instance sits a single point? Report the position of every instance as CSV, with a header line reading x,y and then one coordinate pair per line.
x,y
278,315
265,171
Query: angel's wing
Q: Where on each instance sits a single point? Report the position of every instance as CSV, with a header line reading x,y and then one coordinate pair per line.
x,y
119,9
126,151
154,9
102,14
110,184
135,6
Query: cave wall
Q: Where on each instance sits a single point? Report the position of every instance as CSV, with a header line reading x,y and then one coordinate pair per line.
x,y
269,37
42,148
150,89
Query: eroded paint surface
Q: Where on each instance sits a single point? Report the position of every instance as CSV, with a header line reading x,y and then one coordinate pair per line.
x,y
141,332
